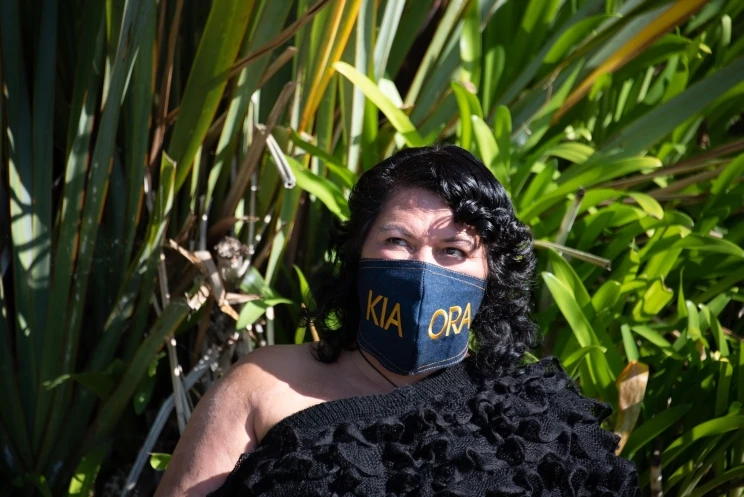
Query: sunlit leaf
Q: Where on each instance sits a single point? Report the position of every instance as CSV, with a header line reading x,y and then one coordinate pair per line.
x,y
159,461
650,429
397,117
326,191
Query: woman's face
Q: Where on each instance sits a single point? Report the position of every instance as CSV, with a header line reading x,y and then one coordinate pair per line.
x,y
416,224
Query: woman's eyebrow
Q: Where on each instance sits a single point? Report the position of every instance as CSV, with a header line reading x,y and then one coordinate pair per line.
x,y
387,228
460,239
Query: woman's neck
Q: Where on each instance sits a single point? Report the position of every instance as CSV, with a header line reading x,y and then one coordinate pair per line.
x,y
374,371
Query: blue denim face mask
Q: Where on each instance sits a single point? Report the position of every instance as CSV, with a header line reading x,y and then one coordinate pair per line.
x,y
415,316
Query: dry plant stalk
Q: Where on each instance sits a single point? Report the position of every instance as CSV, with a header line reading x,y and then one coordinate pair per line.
x,y
631,388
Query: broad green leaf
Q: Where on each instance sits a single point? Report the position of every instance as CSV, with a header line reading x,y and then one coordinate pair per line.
x,y
519,83
600,169
565,299
631,349
353,103
660,254
540,185
572,361
42,168
657,123
83,480
693,322
284,226
330,44
597,363
143,264
734,474
219,44
39,482
717,330
489,151
144,391
318,152
721,286
101,384
587,175
136,123
705,429
652,31
325,190
268,24
172,316
648,203
533,28
133,23
502,130
726,180
649,430
254,309
681,305
83,106
693,241
18,172
448,22
604,301
623,237
254,282
606,296
574,35
387,33
566,274
11,412
654,299
307,296
536,121
655,338
159,461
471,51
575,152
397,117
725,374
740,374
414,16
469,109
711,452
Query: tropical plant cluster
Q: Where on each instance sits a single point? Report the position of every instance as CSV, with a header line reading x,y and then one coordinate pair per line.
x,y
170,170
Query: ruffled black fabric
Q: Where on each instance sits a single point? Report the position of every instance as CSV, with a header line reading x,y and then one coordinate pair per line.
x,y
526,433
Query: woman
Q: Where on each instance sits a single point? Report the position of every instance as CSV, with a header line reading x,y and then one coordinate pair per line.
x,y
416,386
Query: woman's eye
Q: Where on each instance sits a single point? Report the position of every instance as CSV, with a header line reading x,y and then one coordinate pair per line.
x,y
454,252
397,241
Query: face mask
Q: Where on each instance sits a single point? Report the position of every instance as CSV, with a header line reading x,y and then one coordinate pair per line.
x,y
415,316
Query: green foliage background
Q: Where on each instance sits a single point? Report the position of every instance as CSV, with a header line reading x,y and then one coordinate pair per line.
x,y
137,134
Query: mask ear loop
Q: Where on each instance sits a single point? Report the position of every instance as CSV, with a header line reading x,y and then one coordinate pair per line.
x,y
373,367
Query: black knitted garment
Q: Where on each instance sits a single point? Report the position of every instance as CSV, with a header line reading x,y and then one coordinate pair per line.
x,y
528,432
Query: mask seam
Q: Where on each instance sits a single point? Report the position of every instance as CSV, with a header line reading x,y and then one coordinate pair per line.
x,y
428,269
383,360
392,367
422,263
424,367
422,290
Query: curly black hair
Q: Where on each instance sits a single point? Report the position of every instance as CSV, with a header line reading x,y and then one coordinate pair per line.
x,y
502,328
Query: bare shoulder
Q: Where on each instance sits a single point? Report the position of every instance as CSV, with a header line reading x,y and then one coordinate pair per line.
x,y
232,417
281,380
274,365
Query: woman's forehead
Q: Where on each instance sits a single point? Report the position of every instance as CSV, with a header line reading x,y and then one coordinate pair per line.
x,y
415,199
418,211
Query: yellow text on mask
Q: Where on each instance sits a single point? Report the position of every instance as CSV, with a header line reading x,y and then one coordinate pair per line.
x,y
454,320
392,319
